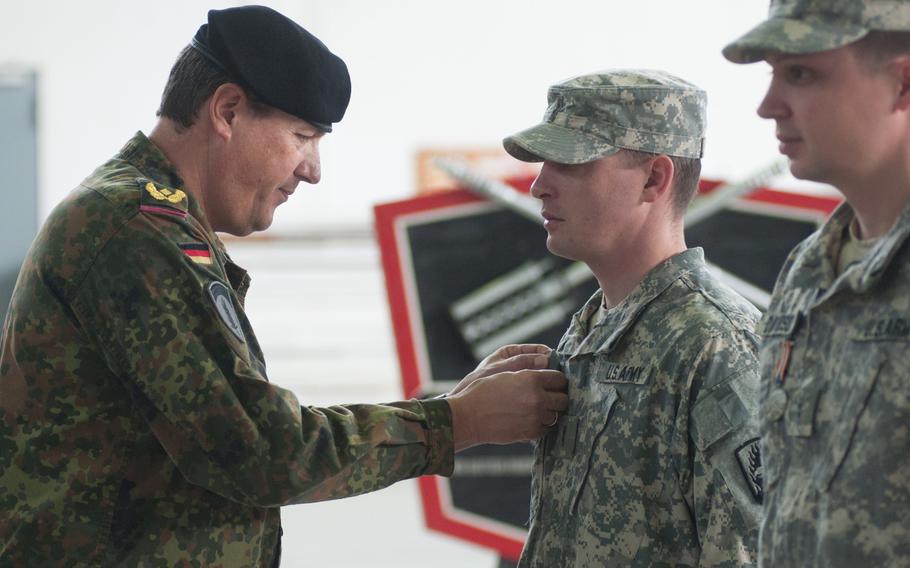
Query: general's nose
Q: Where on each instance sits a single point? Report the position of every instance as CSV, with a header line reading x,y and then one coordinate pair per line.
x,y
309,169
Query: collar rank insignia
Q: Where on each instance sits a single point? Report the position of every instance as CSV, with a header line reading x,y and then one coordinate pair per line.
x,y
158,199
197,252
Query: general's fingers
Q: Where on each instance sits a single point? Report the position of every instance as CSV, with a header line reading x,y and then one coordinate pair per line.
x,y
551,405
526,348
544,395
551,380
556,401
507,351
515,363
523,361
552,423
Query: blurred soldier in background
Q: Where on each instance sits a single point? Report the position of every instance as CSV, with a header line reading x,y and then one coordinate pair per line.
x,y
836,339
138,426
656,461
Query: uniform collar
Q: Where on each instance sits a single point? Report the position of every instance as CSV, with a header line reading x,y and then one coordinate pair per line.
x,y
816,265
883,253
619,319
142,153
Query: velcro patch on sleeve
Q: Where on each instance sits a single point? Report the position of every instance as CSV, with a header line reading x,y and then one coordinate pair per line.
x,y
749,457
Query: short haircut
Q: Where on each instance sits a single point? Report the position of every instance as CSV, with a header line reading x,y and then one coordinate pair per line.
x,y
877,48
192,80
686,172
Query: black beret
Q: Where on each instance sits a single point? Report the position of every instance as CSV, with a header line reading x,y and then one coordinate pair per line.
x,y
284,65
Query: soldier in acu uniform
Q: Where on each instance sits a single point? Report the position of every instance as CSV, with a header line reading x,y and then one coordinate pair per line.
x,y
137,426
656,461
835,355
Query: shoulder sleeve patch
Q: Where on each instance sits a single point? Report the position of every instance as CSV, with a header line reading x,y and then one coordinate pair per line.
x,y
221,298
158,199
199,253
749,457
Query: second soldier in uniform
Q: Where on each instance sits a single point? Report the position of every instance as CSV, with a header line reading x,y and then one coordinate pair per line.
x,y
836,339
656,461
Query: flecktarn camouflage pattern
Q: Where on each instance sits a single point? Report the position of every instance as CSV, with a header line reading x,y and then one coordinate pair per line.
x,y
656,462
137,426
595,115
810,26
836,404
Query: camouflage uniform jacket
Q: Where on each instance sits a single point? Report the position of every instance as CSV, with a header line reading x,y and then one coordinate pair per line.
x,y
656,462
835,404
138,427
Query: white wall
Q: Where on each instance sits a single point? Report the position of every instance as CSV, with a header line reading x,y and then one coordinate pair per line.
x,y
424,72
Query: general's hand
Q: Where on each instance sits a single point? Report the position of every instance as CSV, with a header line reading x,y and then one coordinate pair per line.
x,y
507,407
507,358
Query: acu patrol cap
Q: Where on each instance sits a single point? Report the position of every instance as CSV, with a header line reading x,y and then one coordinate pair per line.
x,y
810,26
284,65
596,115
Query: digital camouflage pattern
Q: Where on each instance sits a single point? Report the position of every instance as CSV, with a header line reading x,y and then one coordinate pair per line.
x,y
595,115
835,404
656,462
138,427
810,26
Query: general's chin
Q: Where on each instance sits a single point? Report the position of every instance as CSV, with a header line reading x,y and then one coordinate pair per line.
x,y
262,224
237,231
254,226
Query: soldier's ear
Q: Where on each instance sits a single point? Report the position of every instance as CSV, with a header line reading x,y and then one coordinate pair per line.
x,y
222,108
660,178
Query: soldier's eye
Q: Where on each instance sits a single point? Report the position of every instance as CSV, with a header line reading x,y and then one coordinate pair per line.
x,y
797,74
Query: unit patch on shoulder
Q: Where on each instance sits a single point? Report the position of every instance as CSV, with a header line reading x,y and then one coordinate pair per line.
x,y
749,457
156,198
197,252
221,297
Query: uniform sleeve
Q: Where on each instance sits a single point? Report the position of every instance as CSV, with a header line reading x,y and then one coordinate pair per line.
x,y
726,477
226,428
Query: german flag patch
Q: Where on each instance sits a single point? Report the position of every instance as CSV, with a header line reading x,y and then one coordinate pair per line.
x,y
198,252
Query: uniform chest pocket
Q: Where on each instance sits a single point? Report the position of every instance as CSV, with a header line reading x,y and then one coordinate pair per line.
x,y
799,417
563,456
851,387
552,460
590,426
771,411
608,500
